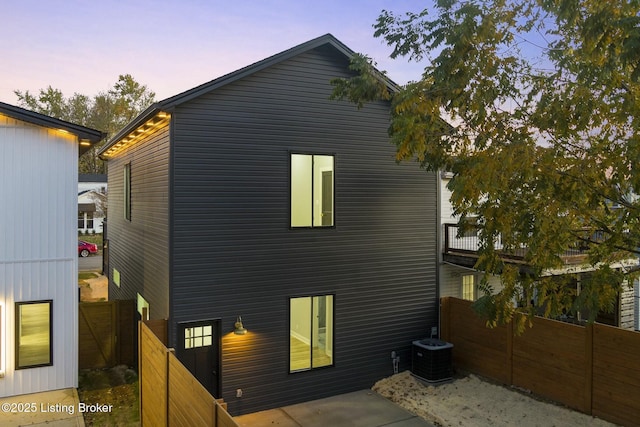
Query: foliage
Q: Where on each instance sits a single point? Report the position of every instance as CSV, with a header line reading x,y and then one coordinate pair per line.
x,y
107,111
543,98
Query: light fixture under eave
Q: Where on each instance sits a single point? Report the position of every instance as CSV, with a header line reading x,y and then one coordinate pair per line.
x,y
85,142
240,329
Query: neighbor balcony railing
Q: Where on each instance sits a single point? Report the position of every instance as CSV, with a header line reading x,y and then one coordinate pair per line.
x,y
469,243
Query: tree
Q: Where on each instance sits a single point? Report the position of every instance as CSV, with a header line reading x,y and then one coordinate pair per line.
x,y
107,111
543,104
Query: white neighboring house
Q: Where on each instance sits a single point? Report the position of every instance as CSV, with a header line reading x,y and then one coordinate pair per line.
x,y
92,202
459,279
38,250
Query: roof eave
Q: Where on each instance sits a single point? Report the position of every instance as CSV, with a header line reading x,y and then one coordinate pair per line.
x,y
83,133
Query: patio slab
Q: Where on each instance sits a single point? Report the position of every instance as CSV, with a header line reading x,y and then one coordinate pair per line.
x,y
363,408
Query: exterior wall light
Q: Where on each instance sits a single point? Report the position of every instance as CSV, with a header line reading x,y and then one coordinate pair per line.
x,y
240,329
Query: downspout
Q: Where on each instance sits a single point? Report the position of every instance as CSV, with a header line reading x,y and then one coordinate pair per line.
x,y
439,258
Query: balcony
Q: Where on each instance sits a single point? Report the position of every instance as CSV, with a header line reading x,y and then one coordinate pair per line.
x,y
463,250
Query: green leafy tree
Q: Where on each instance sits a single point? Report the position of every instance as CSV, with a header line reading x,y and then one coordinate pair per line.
x,y
107,111
542,100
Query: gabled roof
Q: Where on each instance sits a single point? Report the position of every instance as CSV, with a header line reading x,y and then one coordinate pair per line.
x,y
91,136
169,103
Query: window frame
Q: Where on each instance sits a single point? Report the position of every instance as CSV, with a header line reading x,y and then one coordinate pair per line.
x,y
311,313
333,186
473,287
18,304
126,183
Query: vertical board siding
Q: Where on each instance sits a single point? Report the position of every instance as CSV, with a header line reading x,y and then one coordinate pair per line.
x,y
139,248
38,248
235,254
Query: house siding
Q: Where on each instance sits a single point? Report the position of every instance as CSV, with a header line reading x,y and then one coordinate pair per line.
x,y
627,307
139,249
234,253
38,249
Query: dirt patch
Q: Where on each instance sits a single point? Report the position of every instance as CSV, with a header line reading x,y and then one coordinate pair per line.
x,y
117,387
94,288
470,401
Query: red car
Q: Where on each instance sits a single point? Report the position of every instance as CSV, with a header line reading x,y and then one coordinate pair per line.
x,y
86,248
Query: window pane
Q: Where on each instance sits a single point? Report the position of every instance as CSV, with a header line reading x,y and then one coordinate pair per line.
x,y
127,191
323,191
322,331
300,334
311,334
468,287
207,330
33,334
301,189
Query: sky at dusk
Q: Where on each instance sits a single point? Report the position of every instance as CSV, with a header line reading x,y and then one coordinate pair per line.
x,y
171,46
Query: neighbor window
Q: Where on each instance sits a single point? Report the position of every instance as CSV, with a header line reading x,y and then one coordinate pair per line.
x,y
468,287
127,191
33,334
311,332
312,190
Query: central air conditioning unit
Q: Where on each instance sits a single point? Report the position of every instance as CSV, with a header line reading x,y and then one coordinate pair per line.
x,y
431,360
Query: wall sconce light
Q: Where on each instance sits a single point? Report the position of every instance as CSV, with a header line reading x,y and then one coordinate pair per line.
x,y
240,329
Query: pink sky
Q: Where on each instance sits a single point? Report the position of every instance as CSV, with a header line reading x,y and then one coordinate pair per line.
x,y
171,46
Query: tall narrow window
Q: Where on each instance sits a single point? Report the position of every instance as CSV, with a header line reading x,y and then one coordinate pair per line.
x,y
127,191
468,287
311,332
33,334
312,188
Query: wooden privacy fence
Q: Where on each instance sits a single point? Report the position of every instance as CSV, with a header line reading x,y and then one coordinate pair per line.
x,y
106,334
593,369
169,394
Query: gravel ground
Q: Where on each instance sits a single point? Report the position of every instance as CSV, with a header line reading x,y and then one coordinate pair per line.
x,y
470,401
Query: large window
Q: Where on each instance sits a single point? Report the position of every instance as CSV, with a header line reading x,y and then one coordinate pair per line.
x,y
127,191
33,334
311,332
312,190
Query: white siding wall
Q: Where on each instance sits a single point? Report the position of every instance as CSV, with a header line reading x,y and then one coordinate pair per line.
x,y
451,275
38,255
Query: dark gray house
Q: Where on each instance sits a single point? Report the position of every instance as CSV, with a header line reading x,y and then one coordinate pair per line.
x,y
255,196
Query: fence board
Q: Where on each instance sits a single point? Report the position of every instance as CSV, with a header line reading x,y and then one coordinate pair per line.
x,y
190,404
106,334
153,379
169,393
616,379
96,335
476,347
127,340
593,369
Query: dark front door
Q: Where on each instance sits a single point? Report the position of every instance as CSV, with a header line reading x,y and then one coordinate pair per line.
x,y
200,352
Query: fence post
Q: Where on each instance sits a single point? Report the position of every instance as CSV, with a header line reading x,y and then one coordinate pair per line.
x,y
140,370
588,392
510,338
445,319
